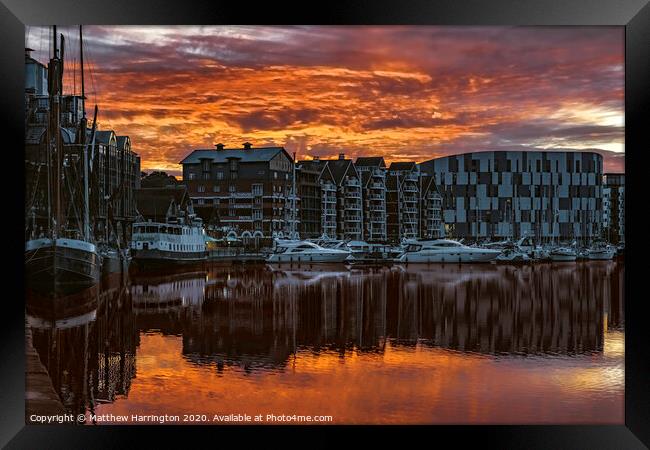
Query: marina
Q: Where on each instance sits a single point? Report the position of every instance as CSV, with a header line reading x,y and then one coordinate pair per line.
x,y
186,270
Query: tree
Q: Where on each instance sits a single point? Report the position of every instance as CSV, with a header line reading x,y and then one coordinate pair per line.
x,y
158,179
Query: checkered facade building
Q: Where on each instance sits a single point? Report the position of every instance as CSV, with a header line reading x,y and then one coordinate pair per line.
x,y
502,194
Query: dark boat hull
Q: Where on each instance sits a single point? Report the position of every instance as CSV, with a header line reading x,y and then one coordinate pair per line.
x,y
58,268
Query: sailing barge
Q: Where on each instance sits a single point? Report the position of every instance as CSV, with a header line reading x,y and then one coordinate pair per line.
x,y
79,183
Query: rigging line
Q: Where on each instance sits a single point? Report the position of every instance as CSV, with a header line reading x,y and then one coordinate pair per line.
x,y
72,202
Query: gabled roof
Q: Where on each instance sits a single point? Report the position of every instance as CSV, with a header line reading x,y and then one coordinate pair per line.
x,y
340,168
370,161
255,154
322,165
121,142
103,137
428,184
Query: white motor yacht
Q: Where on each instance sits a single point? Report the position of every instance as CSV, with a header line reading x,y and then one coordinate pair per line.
x,y
512,254
563,254
599,250
366,253
445,250
305,252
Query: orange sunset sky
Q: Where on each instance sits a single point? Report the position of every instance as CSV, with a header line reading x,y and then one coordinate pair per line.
x,y
402,92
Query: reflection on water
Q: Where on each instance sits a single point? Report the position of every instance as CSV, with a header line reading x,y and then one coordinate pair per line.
x,y
438,344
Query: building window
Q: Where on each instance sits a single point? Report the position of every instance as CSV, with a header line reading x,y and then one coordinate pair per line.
x,y
206,176
219,175
257,189
275,175
232,188
216,188
190,176
233,164
200,188
233,175
206,165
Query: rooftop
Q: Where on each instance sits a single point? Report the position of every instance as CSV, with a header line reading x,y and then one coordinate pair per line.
x,y
254,154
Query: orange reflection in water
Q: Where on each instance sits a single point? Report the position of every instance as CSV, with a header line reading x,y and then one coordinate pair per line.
x,y
418,345
404,385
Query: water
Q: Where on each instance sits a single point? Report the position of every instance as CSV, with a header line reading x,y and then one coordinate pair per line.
x,y
419,345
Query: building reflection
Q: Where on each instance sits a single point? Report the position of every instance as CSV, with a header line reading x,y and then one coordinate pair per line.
x,y
257,318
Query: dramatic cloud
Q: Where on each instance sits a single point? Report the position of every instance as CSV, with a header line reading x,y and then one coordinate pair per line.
x,y
403,92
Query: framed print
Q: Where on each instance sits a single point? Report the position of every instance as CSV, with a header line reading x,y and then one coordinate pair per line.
x,y
381,218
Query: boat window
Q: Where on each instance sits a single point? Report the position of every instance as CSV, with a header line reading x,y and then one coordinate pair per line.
x,y
413,248
280,250
152,229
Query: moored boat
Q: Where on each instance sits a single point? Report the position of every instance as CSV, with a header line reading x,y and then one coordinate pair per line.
x,y
600,250
61,264
444,251
296,251
563,254
175,242
512,254
366,253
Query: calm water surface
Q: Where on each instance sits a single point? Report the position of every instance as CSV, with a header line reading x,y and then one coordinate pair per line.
x,y
421,345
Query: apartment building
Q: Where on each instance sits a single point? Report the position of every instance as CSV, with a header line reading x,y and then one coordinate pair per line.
x,y
250,188
373,183
504,194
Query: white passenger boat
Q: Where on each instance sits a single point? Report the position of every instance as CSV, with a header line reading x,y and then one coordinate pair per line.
x,y
154,243
445,250
563,254
288,251
599,250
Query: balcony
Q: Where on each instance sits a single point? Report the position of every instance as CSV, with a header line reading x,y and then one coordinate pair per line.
x,y
409,188
377,186
409,210
352,182
411,177
375,197
380,208
353,194
379,173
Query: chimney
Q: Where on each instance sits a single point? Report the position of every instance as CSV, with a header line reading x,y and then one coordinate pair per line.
x,y
316,158
341,156
247,145
219,146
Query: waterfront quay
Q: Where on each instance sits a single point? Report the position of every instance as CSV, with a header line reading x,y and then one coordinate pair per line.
x,y
40,397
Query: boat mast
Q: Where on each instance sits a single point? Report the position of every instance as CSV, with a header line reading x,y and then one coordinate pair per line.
x,y
293,223
55,75
83,125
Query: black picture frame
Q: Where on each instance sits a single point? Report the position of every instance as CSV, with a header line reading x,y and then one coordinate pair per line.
x,y
633,14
